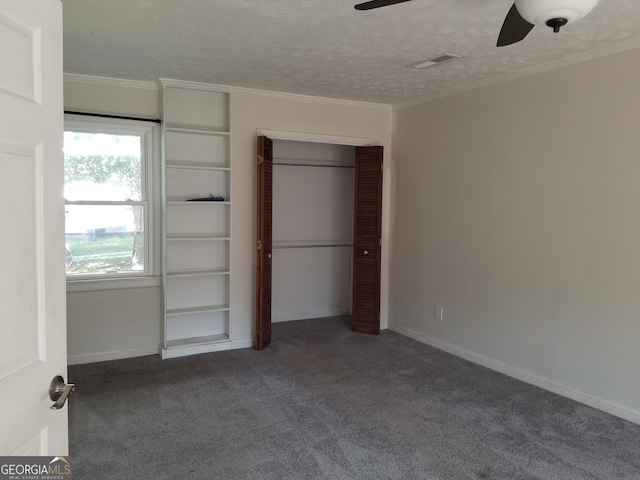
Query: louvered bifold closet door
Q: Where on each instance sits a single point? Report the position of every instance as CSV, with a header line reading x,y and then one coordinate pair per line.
x,y
262,336
367,238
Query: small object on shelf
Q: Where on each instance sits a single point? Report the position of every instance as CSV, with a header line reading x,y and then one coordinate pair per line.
x,y
210,198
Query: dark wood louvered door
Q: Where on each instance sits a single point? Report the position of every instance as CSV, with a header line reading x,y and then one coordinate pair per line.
x,y
262,335
366,240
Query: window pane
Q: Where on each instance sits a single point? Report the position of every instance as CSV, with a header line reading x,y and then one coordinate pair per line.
x,y
104,239
102,167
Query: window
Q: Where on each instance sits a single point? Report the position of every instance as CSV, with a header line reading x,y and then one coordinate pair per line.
x,y
109,202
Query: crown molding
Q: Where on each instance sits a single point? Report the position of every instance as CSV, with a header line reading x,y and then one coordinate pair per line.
x,y
274,94
525,72
121,82
109,81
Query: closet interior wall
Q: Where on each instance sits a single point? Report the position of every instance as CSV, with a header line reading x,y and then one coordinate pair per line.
x,y
313,191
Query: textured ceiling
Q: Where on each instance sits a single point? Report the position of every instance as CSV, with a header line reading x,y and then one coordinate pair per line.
x,y
324,47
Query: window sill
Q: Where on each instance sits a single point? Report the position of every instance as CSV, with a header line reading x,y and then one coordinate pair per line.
x,y
91,285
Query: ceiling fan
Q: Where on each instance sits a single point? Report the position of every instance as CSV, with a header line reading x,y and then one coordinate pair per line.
x,y
523,15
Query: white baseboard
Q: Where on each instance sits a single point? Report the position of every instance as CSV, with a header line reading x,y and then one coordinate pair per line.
x,y
114,355
153,350
221,346
246,343
524,375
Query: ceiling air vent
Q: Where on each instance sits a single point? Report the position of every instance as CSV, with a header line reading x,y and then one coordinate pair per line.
x,y
434,61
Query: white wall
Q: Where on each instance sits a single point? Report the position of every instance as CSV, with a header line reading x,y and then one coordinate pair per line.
x,y
98,95
516,209
112,324
117,323
97,331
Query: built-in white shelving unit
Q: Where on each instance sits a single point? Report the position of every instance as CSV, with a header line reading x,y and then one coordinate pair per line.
x,y
196,271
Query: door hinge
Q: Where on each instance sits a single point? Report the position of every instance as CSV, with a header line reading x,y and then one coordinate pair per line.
x,y
260,159
259,245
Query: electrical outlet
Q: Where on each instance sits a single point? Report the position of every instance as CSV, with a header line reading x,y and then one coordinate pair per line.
x,y
439,313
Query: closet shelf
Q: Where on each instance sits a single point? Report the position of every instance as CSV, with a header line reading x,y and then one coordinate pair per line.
x,y
312,244
296,162
195,310
197,340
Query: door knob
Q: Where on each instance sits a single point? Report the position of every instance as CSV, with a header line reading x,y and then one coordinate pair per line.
x,y
268,255
59,391
365,252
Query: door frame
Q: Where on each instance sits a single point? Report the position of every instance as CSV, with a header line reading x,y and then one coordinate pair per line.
x,y
386,197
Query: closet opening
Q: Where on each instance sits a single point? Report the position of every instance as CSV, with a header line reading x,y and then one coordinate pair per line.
x,y
316,207
313,188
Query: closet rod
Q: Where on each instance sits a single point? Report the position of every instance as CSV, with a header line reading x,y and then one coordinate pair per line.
x,y
277,247
313,165
117,117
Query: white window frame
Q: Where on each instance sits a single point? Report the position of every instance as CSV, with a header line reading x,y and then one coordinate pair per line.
x,y
149,131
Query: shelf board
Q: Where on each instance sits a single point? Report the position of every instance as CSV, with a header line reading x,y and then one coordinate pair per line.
x,y
195,166
194,310
184,342
186,202
197,273
191,237
197,130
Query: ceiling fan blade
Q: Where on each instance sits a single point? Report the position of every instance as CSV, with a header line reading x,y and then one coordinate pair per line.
x,y
514,28
377,4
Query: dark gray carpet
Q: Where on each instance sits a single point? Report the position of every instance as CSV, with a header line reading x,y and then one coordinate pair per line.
x,y
325,403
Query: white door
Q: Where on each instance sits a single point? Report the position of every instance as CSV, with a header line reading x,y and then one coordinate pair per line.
x,y
32,276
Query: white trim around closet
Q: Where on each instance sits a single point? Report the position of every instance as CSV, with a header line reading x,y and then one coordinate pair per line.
x,y
315,137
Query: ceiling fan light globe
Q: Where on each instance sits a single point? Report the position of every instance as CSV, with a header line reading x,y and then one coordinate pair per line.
x,y
539,12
